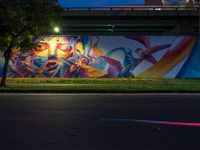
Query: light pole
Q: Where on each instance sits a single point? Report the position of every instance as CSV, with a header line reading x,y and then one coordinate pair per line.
x,y
57,30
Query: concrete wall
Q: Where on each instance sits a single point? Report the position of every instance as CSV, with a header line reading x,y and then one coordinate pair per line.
x,y
109,57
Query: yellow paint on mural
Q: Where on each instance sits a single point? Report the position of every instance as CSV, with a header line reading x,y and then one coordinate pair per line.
x,y
97,51
167,63
79,46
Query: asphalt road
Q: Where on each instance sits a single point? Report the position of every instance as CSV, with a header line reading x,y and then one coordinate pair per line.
x,y
99,122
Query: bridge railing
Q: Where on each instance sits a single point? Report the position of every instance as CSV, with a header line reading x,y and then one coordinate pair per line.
x,y
134,8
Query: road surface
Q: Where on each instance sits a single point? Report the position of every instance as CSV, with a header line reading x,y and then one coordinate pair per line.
x,y
99,121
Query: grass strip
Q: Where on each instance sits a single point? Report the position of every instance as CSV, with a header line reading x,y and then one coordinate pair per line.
x,y
96,88
103,81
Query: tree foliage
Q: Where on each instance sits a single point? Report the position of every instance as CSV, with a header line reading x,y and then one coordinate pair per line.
x,y
21,20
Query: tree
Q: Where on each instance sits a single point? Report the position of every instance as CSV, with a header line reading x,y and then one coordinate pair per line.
x,y
20,21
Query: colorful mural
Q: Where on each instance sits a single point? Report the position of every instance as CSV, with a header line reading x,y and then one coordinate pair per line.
x,y
108,57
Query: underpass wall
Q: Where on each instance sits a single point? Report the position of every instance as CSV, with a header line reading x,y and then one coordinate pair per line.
x,y
108,57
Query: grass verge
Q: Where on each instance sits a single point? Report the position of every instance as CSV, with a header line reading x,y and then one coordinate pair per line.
x,y
126,84
96,88
102,81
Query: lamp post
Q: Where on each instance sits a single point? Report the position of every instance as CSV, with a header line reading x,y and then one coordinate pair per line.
x,y
56,30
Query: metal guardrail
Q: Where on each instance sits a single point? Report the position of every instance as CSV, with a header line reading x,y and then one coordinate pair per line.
x,y
133,8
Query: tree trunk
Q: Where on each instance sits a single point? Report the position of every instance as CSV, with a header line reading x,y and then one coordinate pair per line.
x,y
5,68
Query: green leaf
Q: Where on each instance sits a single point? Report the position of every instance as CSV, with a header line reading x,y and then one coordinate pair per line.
x,y
20,21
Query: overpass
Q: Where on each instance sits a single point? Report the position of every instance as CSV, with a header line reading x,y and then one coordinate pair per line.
x,y
137,20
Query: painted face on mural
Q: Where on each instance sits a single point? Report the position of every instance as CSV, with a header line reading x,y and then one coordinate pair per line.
x,y
55,50
70,57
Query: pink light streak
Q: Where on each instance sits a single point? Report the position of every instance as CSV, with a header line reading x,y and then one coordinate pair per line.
x,y
173,123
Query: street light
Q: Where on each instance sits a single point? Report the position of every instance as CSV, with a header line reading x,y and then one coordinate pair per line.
x,y
57,29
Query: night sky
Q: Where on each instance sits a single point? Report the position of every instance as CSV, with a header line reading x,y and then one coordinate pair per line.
x,y
98,3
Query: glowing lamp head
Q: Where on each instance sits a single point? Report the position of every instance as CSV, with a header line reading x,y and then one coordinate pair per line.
x,y
57,29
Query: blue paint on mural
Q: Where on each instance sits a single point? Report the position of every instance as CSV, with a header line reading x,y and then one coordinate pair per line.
x,y
108,57
191,69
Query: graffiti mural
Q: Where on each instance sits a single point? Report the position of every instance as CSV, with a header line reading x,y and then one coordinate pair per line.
x,y
108,57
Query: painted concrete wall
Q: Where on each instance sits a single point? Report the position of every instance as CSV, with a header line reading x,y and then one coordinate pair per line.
x,y
108,57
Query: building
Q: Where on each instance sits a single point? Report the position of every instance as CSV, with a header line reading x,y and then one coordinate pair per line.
x,y
171,2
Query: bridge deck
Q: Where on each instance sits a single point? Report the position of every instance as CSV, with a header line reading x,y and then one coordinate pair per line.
x,y
128,20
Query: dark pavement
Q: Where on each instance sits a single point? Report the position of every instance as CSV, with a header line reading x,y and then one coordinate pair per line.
x,y
81,122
